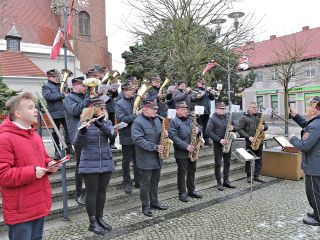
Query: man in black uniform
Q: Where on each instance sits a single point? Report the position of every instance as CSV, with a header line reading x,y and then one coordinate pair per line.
x,y
204,96
309,145
74,103
124,112
51,93
183,93
160,98
146,131
216,130
248,124
180,130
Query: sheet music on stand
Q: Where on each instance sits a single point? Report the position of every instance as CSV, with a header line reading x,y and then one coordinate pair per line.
x,y
247,155
244,155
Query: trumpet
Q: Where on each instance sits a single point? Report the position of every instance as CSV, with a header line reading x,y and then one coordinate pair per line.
x,y
66,74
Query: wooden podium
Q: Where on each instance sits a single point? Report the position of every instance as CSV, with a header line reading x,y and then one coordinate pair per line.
x,y
277,163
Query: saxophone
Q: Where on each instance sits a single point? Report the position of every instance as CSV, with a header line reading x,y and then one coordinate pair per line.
x,y
259,134
164,140
229,136
196,140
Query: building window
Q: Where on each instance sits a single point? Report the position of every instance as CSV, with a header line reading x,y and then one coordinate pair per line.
x,y
274,103
310,72
13,45
84,24
259,76
293,72
275,75
260,101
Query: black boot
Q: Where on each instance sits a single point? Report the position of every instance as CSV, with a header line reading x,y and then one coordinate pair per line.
x,y
95,227
219,185
103,224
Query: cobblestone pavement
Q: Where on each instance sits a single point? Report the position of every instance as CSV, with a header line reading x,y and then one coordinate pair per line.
x,y
274,210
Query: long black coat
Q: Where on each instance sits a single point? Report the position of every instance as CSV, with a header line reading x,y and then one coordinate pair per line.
x,y
51,93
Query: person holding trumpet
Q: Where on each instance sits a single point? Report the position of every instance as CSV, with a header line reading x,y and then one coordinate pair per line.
x,y
96,163
183,93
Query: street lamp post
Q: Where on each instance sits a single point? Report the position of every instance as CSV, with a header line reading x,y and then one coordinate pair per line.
x,y
59,7
235,16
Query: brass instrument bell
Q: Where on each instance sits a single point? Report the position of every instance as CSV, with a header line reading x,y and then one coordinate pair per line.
x,y
66,74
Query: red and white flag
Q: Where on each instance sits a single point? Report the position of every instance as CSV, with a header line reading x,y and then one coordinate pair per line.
x,y
70,20
209,66
56,45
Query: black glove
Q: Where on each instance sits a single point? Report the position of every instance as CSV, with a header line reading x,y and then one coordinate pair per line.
x,y
83,130
98,124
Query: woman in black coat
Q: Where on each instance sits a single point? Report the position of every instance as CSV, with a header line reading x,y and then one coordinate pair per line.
x,y
96,163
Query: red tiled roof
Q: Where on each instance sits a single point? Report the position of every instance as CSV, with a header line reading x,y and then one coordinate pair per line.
x,y
263,53
33,20
17,64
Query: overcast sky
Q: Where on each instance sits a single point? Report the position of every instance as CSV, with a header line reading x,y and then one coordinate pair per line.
x,y
279,17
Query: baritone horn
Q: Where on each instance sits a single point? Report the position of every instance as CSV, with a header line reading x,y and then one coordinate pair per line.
x,y
145,87
110,77
164,84
66,74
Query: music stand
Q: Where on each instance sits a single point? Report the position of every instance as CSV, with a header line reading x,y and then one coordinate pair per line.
x,y
245,155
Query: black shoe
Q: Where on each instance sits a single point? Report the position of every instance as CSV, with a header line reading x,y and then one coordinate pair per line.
x,y
249,180
128,189
311,214
227,184
159,206
95,227
311,221
256,179
113,147
183,197
195,194
220,187
81,200
103,224
147,212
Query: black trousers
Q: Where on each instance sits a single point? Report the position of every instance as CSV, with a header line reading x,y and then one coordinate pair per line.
x,y
186,167
312,184
59,122
129,155
218,155
257,163
149,187
202,120
96,186
78,177
112,119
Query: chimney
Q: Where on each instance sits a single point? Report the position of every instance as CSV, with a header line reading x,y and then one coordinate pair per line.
x,y
305,28
273,37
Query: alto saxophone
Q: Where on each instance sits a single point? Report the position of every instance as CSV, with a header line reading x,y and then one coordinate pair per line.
x,y
229,136
259,134
164,140
196,140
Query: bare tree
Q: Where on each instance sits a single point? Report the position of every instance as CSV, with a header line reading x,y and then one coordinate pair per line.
x,y
290,60
187,40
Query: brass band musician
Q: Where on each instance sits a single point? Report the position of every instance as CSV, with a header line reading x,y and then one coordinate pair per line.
x,y
250,124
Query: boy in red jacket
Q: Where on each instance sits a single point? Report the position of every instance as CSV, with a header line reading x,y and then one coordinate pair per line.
x,y
24,168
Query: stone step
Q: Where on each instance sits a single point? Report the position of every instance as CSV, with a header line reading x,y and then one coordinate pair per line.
x,y
117,200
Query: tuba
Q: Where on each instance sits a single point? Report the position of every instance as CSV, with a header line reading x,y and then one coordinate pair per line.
x,y
196,140
92,83
229,136
145,87
164,84
66,74
259,134
165,141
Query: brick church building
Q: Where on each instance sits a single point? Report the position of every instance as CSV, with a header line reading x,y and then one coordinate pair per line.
x,y
27,32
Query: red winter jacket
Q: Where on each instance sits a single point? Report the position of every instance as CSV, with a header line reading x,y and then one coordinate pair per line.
x,y
24,198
